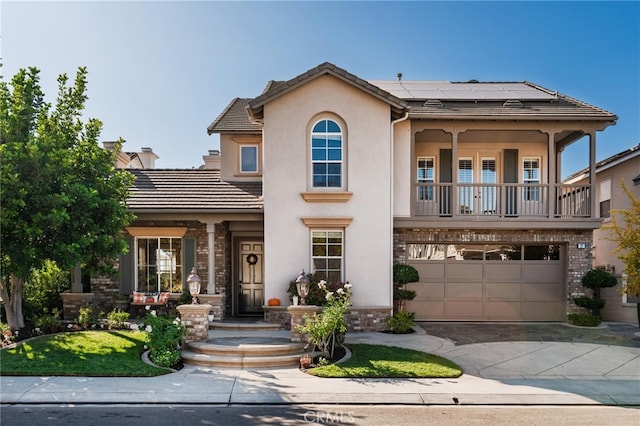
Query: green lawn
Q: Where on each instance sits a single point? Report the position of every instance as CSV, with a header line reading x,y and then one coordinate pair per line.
x,y
378,361
85,353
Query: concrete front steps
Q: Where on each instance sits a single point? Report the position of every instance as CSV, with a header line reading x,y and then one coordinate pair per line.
x,y
244,345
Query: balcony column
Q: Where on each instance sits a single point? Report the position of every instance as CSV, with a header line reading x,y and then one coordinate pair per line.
x,y
211,264
455,202
592,173
552,175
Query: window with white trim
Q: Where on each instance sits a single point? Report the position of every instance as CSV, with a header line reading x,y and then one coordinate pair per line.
x,y
531,176
426,174
327,254
326,155
248,159
158,264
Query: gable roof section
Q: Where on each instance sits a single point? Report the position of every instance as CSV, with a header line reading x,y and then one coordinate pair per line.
x,y
234,119
276,89
191,190
607,163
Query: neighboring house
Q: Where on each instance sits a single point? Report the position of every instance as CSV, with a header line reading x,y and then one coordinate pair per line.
x,y
610,173
343,177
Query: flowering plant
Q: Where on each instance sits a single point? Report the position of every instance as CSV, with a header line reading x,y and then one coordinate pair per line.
x,y
164,338
327,330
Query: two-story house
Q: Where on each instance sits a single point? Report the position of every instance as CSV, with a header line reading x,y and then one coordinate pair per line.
x,y
344,177
460,180
610,196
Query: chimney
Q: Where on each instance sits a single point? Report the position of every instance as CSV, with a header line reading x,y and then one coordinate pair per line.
x,y
399,76
148,158
212,160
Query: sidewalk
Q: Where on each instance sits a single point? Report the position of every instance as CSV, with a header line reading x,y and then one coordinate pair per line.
x,y
537,373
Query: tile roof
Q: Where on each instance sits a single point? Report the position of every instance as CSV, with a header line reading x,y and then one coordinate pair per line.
x,y
276,89
428,100
192,190
615,159
234,119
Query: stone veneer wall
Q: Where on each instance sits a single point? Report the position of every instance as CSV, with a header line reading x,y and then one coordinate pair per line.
x,y
222,259
578,261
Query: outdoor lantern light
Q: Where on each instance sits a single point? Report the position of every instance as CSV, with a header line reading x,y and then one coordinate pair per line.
x,y
302,285
193,281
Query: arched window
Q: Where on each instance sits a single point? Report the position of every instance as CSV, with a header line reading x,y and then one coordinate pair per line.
x,y
326,154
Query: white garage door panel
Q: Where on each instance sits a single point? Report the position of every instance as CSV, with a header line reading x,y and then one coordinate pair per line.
x,y
427,291
426,310
541,311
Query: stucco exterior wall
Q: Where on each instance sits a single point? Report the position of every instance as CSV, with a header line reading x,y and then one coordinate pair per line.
x,y
615,308
230,164
366,169
402,170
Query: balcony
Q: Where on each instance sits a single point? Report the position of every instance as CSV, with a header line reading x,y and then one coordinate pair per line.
x,y
555,202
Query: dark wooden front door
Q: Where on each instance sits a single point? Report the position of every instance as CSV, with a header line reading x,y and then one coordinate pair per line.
x,y
250,277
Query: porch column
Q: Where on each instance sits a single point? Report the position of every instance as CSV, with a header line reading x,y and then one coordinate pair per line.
x,y
592,172
551,178
455,202
76,279
211,264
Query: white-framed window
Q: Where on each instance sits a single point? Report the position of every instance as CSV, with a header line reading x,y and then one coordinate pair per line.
x,y
248,158
158,262
465,192
531,176
604,198
327,155
426,169
327,254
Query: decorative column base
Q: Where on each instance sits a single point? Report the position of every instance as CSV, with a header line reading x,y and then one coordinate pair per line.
x,y
196,320
217,302
72,302
297,318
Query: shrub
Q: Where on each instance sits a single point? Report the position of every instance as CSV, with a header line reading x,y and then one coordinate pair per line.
x,y
48,323
6,335
316,296
404,274
117,318
589,303
87,317
327,330
400,322
42,290
164,337
185,298
585,320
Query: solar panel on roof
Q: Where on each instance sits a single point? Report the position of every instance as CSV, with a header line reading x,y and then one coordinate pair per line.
x,y
461,91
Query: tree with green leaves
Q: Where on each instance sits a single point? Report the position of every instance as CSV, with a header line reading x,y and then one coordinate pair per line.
x,y
62,198
625,230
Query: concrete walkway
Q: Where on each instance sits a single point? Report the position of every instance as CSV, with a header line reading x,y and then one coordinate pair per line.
x,y
529,372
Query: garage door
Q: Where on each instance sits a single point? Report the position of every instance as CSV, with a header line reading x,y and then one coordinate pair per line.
x,y
482,282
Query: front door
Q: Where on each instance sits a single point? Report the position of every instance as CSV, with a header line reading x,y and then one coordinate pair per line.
x,y
250,277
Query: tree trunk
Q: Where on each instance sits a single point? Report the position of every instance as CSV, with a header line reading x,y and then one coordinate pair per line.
x,y
13,302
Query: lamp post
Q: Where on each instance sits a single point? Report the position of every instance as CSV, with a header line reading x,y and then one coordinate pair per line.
x,y
193,281
302,285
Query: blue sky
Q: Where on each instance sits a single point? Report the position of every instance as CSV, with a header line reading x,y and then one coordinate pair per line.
x,y
160,72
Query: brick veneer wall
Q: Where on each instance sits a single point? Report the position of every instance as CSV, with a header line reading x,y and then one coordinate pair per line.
x,y
578,261
359,318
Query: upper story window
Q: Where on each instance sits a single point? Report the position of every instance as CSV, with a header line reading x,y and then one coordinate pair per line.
x,y
531,175
604,198
326,155
426,175
248,159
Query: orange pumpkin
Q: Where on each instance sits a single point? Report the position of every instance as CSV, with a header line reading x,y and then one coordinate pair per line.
x,y
274,301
